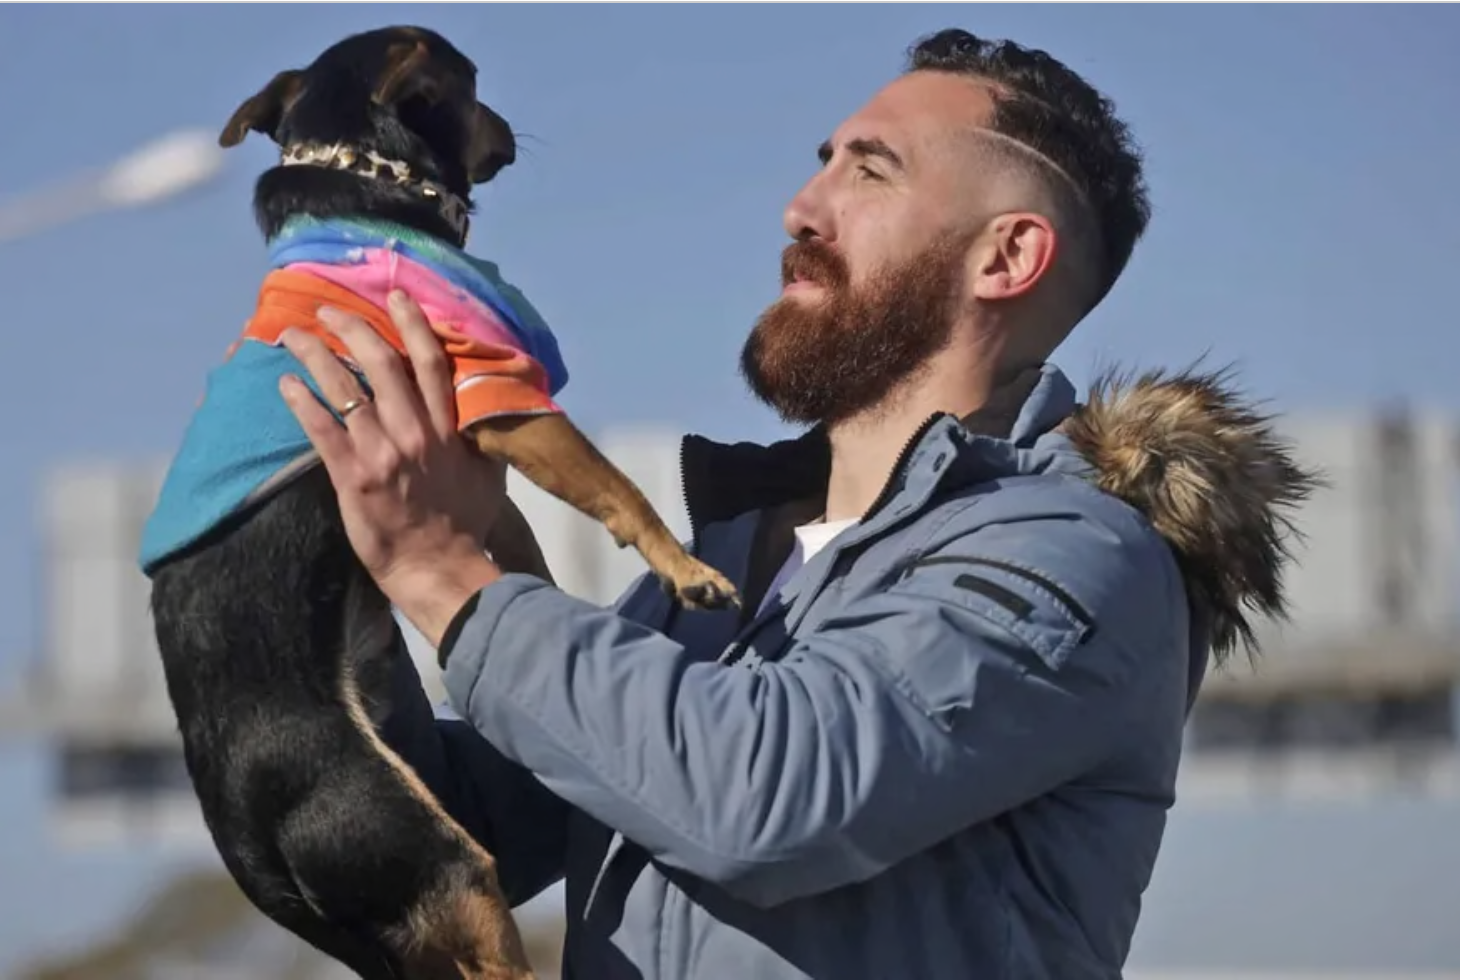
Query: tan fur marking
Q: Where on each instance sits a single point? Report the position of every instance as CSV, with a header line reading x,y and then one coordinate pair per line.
x,y
452,926
458,921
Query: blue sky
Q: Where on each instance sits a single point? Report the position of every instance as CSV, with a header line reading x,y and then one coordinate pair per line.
x,y
1301,162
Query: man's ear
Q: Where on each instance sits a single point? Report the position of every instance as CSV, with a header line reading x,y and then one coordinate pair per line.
x,y
490,145
1012,256
262,113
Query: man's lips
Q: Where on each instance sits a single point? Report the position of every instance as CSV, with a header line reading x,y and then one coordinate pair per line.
x,y
809,266
801,286
802,277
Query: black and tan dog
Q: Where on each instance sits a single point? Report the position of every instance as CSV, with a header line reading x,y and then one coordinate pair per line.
x,y
276,645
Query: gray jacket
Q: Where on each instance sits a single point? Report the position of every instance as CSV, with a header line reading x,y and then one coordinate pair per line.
x,y
949,748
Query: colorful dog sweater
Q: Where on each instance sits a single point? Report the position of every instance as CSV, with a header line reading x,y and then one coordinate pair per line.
x,y
243,443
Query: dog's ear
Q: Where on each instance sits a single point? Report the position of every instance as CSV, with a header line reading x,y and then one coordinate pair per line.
x,y
490,145
263,112
408,73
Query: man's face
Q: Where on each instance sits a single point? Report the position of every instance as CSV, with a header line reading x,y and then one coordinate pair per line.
x,y
875,278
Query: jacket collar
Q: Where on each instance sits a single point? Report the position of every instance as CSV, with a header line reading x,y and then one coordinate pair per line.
x,y
723,480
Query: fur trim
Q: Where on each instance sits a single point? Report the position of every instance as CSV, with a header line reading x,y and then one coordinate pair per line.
x,y
1215,480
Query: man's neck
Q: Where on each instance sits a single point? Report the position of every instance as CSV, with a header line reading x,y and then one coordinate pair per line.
x,y
863,452
864,449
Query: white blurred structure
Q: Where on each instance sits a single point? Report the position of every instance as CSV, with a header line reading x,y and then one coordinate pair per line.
x,y
166,167
1360,694
1378,584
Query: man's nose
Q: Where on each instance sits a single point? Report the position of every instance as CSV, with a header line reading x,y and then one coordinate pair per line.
x,y
808,216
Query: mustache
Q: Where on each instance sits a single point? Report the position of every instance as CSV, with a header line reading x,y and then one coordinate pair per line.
x,y
813,260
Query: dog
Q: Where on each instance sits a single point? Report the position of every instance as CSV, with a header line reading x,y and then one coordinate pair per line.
x,y
275,643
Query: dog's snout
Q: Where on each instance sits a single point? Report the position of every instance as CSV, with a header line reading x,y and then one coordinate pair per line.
x,y
493,145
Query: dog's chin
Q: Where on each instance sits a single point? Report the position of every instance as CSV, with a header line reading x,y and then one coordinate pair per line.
x,y
492,169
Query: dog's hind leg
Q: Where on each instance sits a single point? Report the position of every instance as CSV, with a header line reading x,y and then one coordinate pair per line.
x,y
458,931
551,452
365,959
370,848
282,899
376,851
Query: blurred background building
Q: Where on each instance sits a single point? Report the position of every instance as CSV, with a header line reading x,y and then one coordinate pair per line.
x,y
1305,224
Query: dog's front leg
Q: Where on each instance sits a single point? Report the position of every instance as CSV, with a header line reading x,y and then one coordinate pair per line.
x,y
551,452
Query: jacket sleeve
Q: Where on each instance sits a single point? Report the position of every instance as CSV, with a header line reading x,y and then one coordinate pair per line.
x,y
1007,661
501,804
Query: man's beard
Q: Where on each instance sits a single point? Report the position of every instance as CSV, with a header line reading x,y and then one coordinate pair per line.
x,y
828,359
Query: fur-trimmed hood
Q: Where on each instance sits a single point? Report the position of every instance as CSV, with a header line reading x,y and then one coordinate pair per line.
x,y
1210,472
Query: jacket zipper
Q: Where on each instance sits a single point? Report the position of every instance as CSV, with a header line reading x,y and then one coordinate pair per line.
x,y
672,617
740,648
885,495
694,531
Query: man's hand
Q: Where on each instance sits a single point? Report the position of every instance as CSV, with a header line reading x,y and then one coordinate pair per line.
x,y
417,500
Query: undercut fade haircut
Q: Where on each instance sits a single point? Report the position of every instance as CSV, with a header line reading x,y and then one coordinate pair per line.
x,y
1042,104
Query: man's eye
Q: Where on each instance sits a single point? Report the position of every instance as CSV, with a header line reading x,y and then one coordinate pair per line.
x,y
865,171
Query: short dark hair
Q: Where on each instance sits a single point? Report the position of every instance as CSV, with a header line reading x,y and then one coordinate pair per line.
x,y
1042,104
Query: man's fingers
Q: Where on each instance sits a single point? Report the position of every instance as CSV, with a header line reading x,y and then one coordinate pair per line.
x,y
330,440
397,402
433,370
339,386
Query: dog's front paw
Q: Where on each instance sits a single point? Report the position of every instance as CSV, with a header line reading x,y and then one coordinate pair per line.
x,y
696,585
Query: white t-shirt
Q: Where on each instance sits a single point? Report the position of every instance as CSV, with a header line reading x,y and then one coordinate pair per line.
x,y
810,538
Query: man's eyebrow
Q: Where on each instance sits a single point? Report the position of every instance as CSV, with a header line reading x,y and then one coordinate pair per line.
x,y
863,148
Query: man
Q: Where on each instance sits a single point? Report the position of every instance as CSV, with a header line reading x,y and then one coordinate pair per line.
x,y
941,738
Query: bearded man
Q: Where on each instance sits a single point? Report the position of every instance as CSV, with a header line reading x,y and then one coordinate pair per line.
x,y
941,737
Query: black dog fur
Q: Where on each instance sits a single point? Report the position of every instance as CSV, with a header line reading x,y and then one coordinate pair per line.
x,y
276,643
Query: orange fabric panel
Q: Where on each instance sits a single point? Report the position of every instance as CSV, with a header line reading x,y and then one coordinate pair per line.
x,y
490,379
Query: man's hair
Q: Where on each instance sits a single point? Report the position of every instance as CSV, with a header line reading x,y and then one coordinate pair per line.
x,y
1040,103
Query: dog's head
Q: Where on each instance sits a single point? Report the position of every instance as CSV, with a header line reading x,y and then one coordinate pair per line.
x,y
396,107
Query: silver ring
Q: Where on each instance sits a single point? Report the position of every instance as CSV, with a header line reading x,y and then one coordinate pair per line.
x,y
352,405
